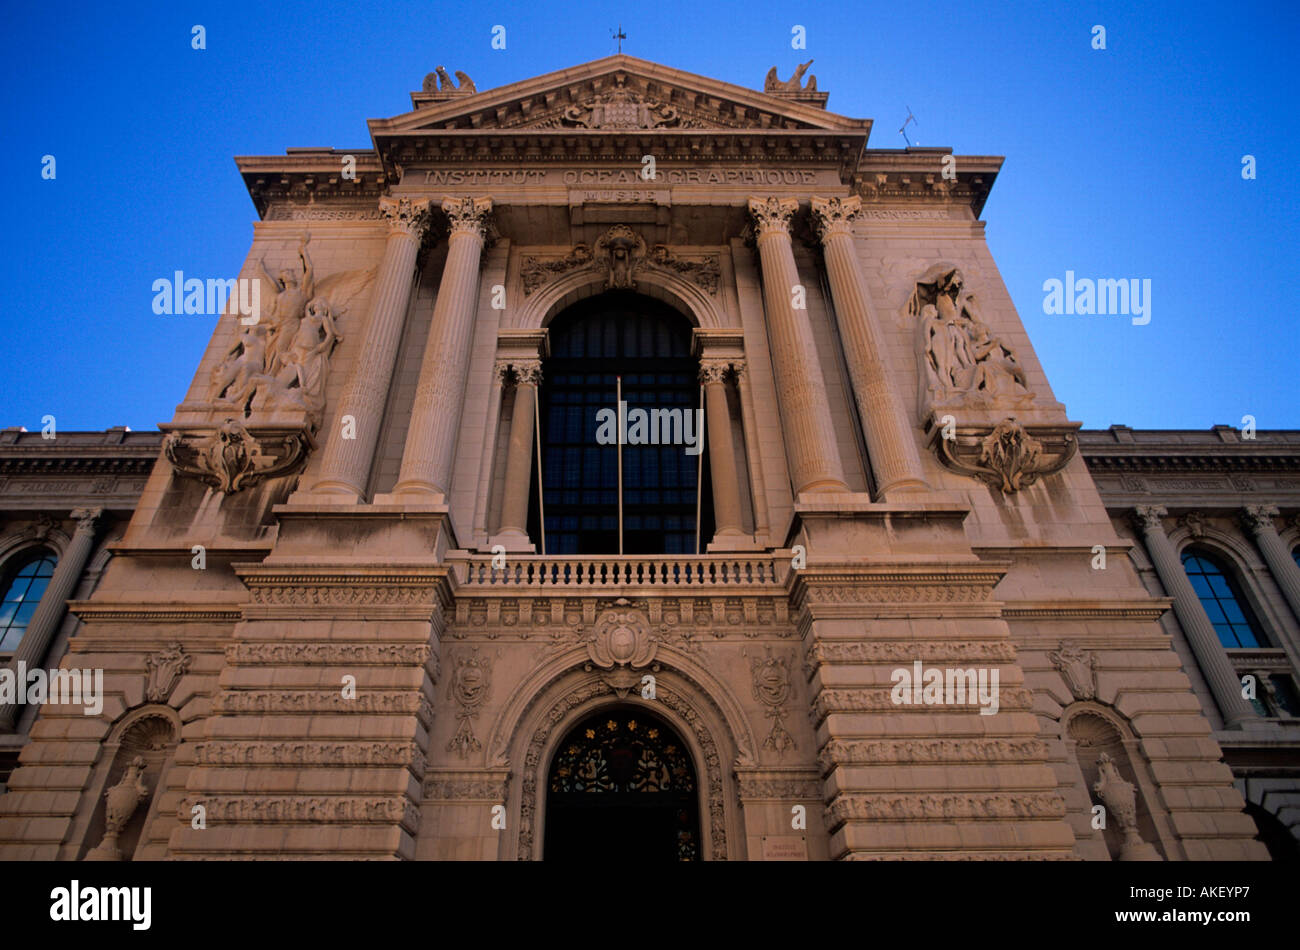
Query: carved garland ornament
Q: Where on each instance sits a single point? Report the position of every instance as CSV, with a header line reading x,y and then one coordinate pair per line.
x,y
469,687
576,698
772,689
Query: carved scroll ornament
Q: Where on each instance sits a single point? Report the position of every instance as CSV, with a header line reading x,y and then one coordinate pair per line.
x,y
1008,456
620,253
230,458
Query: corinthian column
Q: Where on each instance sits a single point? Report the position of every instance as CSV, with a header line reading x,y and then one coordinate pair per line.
x,y
435,416
351,446
890,445
722,451
49,612
519,457
1258,520
810,437
1201,636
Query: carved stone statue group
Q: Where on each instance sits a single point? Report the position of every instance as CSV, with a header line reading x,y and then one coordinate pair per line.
x,y
282,361
961,359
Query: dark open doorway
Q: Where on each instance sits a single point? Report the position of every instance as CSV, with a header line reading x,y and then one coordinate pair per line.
x,y
621,787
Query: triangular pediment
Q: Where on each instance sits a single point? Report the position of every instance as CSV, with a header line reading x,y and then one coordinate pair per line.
x,y
616,94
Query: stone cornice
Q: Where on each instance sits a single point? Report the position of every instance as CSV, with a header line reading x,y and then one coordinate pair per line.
x,y
391,592
966,584
918,174
1227,458
1159,451
110,460
535,147
142,612
1086,609
305,175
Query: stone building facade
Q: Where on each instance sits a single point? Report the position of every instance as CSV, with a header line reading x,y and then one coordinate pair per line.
x,y
373,591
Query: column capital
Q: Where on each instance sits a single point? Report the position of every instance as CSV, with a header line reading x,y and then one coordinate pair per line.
x,y
88,519
1258,519
528,372
408,216
741,369
1149,517
713,370
773,214
501,371
468,215
832,216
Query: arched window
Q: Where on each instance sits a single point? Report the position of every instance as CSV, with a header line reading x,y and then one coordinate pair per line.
x,y
648,344
1223,601
23,591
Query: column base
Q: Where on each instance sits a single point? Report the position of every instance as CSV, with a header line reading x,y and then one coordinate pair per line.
x,y
514,541
723,543
903,490
327,493
824,485
412,493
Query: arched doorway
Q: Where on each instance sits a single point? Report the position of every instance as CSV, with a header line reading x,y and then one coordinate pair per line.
x,y
648,344
622,786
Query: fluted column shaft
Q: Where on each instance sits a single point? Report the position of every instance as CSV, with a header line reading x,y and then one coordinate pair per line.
x,y
809,433
519,453
49,612
1259,521
722,451
1201,636
750,423
350,450
890,445
440,393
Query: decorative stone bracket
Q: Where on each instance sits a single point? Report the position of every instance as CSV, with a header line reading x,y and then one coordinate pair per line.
x,y
1008,456
230,457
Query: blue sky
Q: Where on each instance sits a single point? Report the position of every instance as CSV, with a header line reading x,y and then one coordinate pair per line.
x,y
1120,163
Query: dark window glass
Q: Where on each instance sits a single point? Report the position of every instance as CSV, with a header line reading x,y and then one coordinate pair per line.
x,y
593,343
1223,602
22,595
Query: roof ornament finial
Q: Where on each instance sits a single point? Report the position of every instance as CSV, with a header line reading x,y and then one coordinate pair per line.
x,y
774,83
620,36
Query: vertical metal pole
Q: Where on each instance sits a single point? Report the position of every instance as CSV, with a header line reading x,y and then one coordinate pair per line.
x,y
618,401
699,472
537,428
